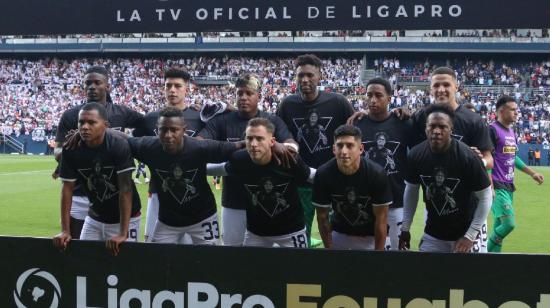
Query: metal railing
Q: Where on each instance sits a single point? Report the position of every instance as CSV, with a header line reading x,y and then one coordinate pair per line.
x,y
276,39
12,142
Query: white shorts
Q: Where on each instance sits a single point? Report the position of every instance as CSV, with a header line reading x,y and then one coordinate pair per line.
x,y
152,216
233,226
79,207
395,219
429,243
205,232
344,241
295,240
94,230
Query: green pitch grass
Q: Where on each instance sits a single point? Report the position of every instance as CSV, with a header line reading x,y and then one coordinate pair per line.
x,y
29,204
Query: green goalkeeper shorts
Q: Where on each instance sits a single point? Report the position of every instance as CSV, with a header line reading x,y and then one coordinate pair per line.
x,y
502,205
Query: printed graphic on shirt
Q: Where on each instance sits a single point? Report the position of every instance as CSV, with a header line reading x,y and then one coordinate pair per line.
x,y
188,132
99,181
311,131
439,190
268,196
179,183
382,151
352,207
457,137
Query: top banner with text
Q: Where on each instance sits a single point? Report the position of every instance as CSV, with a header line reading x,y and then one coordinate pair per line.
x,y
32,17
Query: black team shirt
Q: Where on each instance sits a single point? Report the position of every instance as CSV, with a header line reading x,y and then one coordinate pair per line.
x,y
352,196
231,127
184,195
97,169
448,181
386,143
271,195
120,117
468,127
192,120
313,123
150,128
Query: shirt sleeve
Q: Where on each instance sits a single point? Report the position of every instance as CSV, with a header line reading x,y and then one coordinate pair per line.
x,y
232,167
65,125
67,172
321,193
482,139
281,130
135,146
348,108
479,180
134,119
217,151
411,173
301,170
124,161
493,136
210,131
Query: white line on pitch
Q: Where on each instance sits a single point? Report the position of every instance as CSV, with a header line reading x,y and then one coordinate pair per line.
x,y
27,172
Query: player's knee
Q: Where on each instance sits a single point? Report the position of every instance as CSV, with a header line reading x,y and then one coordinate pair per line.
x,y
508,223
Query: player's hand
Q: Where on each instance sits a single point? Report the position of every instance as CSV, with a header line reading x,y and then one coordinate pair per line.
x,y
61,240
463,245
283,155
357,116
55,175
405,240
72,140
195,107
477,152
403,113
113,244
539,178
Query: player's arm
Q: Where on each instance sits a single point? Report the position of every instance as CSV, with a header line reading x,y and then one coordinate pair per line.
x,y
322,201
539,178
62,239
216,169
485,198
380,225
410,202
125,206
325,228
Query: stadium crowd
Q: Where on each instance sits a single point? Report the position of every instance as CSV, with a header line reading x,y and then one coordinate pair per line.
x,y
34,93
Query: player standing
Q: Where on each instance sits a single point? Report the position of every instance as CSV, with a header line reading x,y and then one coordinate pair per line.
x,y
178,171
273,212
103,164
96,87
357,190
231,126
176,85
450,175
386,139
312,116
505,161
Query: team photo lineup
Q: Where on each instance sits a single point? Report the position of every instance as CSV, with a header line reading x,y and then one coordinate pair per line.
x,y
357,173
